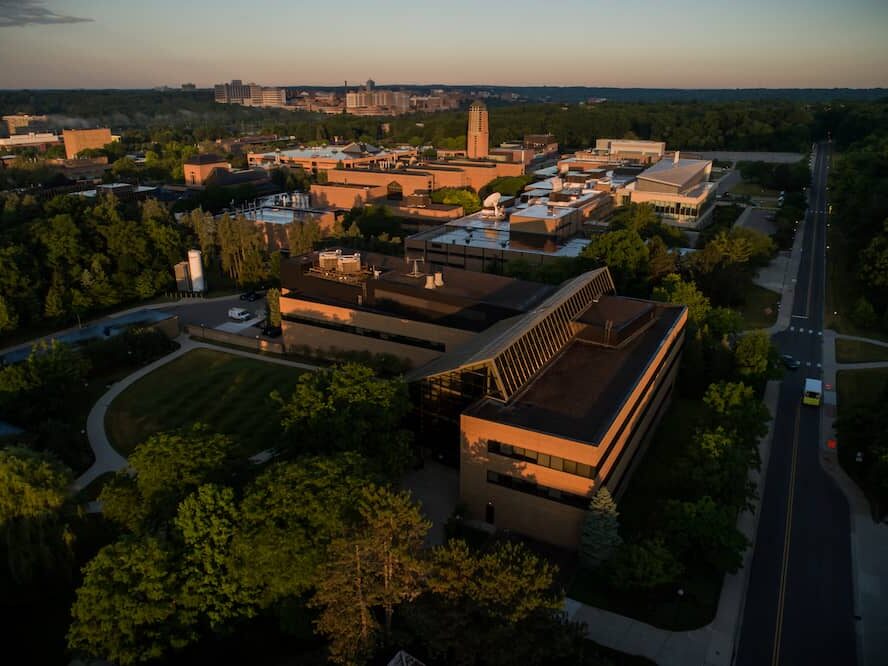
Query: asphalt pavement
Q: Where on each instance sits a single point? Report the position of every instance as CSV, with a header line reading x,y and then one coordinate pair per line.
x,y
799,605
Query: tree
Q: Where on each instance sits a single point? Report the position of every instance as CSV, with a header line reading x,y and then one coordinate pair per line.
x,y
169,466
8,317
208,521
708,531
125,610
34,507
273,301
376,565
498,606
600,536
735,406
454,196
644,565
662,261
290,514
302,236
755,355
675,290
346,408
625,254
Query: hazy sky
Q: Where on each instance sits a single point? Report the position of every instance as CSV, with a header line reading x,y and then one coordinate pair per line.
x,y
624,43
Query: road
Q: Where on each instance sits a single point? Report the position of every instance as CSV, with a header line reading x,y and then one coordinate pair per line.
x,y
799,604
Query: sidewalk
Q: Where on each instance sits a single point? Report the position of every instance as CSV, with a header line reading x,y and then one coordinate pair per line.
x,y
869,540
714,644
107,457
787,291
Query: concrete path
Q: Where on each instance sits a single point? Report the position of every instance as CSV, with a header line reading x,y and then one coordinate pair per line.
x,y
107,458
787,290
712,645
869,539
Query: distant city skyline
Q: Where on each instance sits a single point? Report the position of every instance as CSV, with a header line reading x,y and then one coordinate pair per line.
x,y
681,44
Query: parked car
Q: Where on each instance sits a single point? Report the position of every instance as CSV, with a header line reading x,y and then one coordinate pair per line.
x,y
251,296
790,362
239,314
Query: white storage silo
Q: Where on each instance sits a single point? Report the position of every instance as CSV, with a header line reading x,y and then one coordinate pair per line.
x,y
195,268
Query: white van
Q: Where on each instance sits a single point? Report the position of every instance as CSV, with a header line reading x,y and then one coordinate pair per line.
x,y
239,314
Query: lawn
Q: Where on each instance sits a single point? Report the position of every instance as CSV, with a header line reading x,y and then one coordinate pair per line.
x,y
228,392
753,190
647,487
854,351
859,387
760,308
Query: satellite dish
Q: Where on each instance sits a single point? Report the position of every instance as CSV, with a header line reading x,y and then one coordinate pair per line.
x,y
492,200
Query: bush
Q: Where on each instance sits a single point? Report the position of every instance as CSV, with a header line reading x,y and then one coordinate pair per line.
x,y
863,314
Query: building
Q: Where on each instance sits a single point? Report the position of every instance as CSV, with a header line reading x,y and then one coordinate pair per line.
x,y
234,92
551,405
339,300
199,168
327,158
678,189
41,141
25,124
189,86
371,100
547,222
633,151
77,140
478,138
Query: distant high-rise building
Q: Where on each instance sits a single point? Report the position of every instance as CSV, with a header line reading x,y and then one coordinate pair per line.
x,y
478,139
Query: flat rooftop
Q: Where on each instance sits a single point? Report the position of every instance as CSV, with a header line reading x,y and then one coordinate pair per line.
x,y
501,237
579,394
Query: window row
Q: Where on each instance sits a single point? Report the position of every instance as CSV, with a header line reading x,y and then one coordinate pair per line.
x,y
541,459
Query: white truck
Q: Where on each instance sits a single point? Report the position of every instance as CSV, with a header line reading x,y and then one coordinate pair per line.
x,y
239,314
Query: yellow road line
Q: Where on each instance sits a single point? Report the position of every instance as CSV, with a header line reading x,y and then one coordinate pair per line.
x,y
775,656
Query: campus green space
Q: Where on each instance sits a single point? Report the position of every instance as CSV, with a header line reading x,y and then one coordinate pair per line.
x,y
759,309
701,588
856,388
746,188
229,392
855,351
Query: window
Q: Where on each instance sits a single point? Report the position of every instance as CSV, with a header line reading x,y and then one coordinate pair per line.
x,y
541,459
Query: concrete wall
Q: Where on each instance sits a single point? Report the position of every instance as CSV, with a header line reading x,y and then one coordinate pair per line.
x,y
77,140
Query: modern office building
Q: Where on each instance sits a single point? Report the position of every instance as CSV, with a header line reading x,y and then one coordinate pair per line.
x,y
478,137
348,301
84,139
553,404
678,189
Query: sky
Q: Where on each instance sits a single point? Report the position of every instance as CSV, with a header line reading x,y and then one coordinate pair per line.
x,y
612,43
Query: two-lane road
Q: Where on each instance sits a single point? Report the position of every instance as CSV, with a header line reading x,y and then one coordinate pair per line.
x,y
799,604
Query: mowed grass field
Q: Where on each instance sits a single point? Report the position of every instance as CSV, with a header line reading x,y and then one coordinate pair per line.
x,y
227,392
855,351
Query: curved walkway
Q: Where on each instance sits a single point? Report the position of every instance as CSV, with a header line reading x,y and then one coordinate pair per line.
x,y
107,457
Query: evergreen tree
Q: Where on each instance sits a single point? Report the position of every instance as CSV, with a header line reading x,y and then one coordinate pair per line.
x,y
601,535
